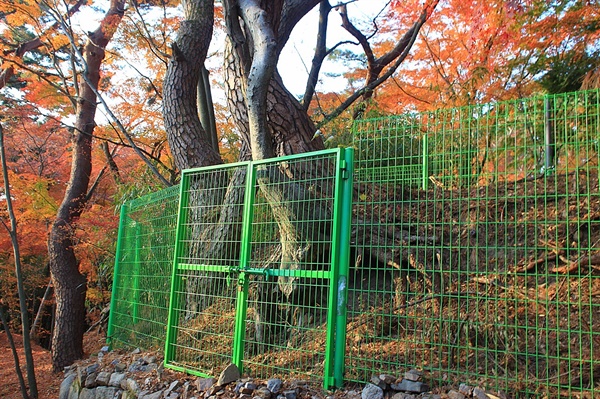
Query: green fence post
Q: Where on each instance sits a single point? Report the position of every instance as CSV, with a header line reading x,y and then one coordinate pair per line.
x,y
136,273
241,307
425,169
345,217
116,272
173,319
549,139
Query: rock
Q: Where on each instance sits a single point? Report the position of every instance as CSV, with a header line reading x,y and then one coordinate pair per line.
x,y
65,386
130,385
263,393
413,375
465,389
244,396
230,374
116,379
375,380
455,395
387,378
479,393
410,386
172,395
136,351
105,349
204,384
103,378
105,392
150,359
92,368
120,367
403,395
153,395
274,385
290,394
172,386
87,393
371,391
128,395
90,381
74,389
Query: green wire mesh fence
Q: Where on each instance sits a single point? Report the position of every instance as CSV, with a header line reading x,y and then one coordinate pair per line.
x,y
142,275
475,255
476,247
256,272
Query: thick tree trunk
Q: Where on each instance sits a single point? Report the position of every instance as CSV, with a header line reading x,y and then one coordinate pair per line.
x,y
69,283
190,144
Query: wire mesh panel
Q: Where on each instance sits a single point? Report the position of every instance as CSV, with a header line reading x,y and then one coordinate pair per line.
x,y
489,276
202,316
292,249
142,277
254,279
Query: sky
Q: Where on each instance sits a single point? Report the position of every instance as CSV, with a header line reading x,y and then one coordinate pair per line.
x,y
296,57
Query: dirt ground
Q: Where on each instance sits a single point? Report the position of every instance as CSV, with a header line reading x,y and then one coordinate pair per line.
x,y
48,382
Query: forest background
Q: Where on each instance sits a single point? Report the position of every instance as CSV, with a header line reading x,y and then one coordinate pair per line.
x,y
384,57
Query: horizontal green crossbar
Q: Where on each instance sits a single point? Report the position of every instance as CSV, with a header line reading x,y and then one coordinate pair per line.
x,y
264,272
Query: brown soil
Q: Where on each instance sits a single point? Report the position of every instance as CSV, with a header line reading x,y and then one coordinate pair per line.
x,y
48,382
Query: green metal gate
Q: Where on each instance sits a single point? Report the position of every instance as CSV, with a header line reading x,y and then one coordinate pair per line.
x,y
261,259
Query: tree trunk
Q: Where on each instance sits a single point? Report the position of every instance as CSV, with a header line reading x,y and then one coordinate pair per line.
x,y
190,144
69,284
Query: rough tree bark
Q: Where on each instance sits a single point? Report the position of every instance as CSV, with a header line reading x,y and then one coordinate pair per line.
x,y
190,143
69,284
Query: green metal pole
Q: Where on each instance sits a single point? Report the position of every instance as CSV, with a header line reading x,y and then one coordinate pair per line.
x,y
425,168
344,265
173,319
136,273
116,273
241,305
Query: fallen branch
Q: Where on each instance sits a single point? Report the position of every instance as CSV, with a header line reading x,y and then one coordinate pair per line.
x,y
590,261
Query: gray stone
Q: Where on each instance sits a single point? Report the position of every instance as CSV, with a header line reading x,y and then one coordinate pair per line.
x,y
274,385
480,393
371,391
103,378
290,394
403,395
413,375
136,351
153,395
230,374
172,395
465,389
120,367
92,368
204,384
90,381
106,392
116,379
87,393
172,386
130,385
375,380
105,348
410,386
128,395
455,395
387,378
65,386
263,393
150,359
74,389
